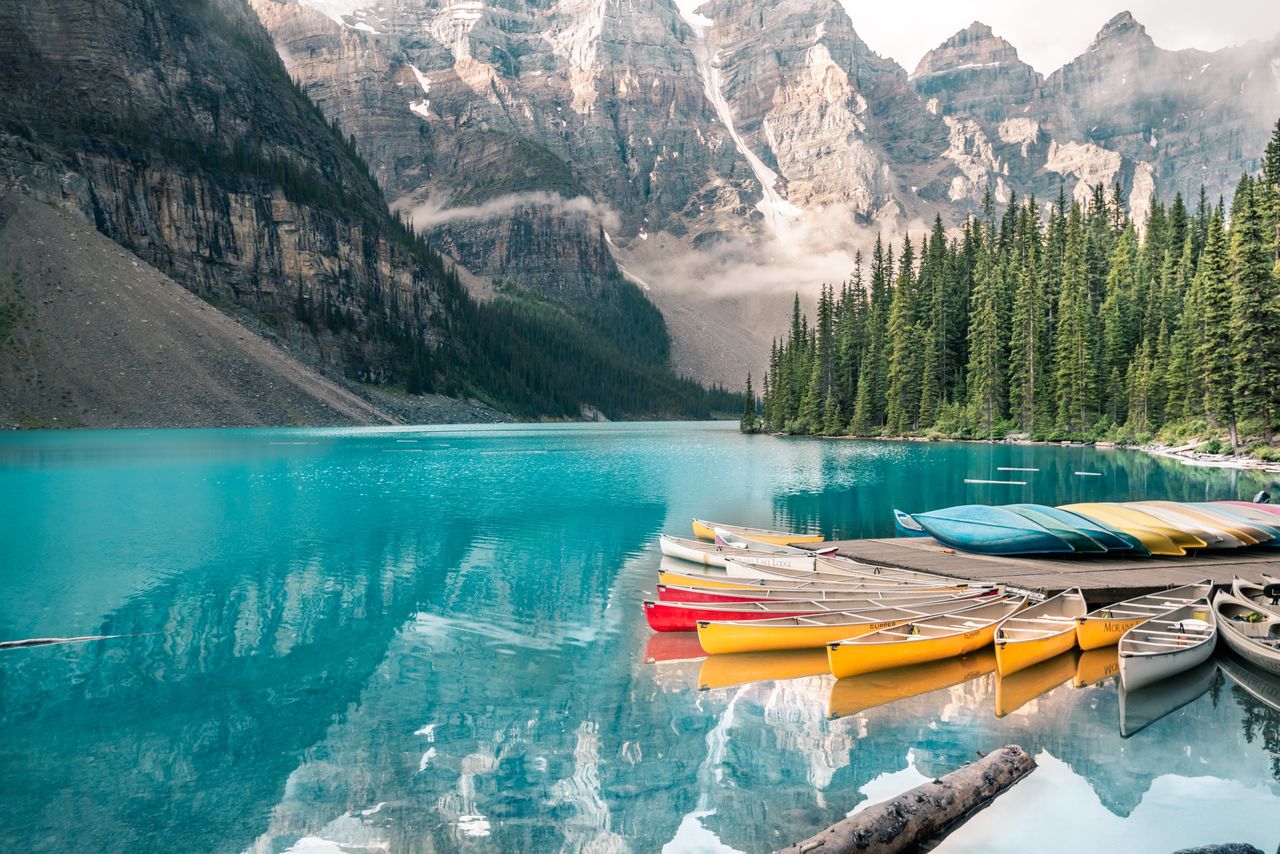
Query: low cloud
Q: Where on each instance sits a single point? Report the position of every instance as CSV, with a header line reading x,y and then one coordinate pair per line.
x,y
819,248
436,212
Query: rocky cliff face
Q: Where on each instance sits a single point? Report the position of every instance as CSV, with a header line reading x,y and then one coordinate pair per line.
x,y
174,129
701,149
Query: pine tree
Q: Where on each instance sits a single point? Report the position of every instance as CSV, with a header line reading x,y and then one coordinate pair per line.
x,y
750,422
1075,338
1029,338
903,395
1255,312
1213,356
986,350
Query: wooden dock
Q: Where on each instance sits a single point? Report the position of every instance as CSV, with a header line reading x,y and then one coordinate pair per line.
x,y
1102,579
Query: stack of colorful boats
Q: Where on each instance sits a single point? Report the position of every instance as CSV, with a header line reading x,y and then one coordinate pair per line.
x,y
766,595
1168,528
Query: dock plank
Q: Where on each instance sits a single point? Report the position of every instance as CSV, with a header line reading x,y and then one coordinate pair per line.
x,y
1103,579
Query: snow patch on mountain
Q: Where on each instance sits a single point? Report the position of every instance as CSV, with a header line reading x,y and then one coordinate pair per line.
x,y
337,9
778,213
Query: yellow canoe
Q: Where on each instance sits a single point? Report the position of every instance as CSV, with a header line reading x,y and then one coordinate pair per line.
x,y
1038,633
693,578
704,530
859,693
818,630
1215,536
1016,690
930,639
725,671
1159,538
1237,528
1104,626
1095,665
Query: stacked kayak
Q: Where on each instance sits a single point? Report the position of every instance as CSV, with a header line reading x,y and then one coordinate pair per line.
x,y
1133,528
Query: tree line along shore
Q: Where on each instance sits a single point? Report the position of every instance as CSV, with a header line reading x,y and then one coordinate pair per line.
x,y
1070,321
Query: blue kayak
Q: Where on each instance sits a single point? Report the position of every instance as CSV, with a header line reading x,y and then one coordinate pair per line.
x,y
990,530
906,526
1080,542
1113,541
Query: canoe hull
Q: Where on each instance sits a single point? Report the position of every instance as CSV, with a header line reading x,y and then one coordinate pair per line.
x,y
704,530
730,637
1099,632
989,530
855,659
1139,671
1260,657
1012,656
663,617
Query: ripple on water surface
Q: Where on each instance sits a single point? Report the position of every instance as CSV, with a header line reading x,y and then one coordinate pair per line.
x,y
430,638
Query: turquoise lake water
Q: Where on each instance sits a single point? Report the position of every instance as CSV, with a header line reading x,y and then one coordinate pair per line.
x,y
431,639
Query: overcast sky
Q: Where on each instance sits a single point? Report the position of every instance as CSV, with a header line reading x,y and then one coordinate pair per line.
x,y
1049,33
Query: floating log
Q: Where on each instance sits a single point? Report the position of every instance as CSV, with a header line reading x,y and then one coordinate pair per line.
x,y
904,822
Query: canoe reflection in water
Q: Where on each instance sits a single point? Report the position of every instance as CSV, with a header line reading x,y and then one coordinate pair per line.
x,y
1142,707
859,693
1097,665
1017,689
1263,687
724,671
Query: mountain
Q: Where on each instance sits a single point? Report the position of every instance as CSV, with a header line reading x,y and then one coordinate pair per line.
x,y
727,156
175,130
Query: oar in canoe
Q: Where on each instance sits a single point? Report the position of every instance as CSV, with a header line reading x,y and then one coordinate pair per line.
x,y
704,530
1166,645
1105,626
929,639
816,630
1039,632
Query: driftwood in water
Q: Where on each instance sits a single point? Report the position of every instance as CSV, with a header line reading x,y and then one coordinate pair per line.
x,y
903,823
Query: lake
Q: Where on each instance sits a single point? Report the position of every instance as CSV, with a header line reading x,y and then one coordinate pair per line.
x,y
423,639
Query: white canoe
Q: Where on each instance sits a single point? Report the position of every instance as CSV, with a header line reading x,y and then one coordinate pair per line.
x,y
1175,641
1265,596
728,538
1252,633
713,554
753,567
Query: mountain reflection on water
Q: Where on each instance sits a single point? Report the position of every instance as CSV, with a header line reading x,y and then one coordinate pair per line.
x,y
419,640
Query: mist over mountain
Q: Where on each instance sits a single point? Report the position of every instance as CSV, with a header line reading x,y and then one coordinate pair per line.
x,y
728,155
